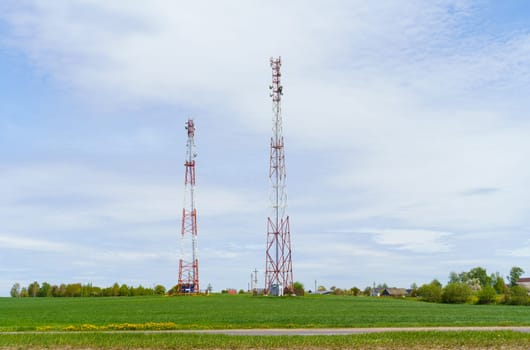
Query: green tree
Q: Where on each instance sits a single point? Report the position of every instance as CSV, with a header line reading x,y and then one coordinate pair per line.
x,y
456,293
45,290
59,291
517,296
298,288
140,290
435,282
95,291
515,273
454,277
175,290
73,290
463,277
33,289
160,289
123,291
474,284
86,290
355,291
476,277
15,290
487,295
480,274
498,284
115,290
338,291
431,292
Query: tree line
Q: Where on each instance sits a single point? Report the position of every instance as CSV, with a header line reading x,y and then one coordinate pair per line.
x,y
46,289
478,287
473,286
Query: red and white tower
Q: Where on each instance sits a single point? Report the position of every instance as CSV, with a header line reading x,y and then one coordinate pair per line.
x,y
189,262
278,266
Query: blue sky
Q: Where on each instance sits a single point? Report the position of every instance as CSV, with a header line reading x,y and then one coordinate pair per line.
x,y
406,128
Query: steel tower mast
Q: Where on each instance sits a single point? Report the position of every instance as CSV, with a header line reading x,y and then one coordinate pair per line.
x,y
278,266
189,262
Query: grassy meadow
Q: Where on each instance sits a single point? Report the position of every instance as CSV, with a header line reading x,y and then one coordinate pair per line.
x,y
245,311
402,340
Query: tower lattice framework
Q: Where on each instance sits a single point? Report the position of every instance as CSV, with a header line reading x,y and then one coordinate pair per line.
x,y
278,266
188,280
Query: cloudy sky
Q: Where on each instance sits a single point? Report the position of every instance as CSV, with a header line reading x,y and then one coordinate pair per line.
x,y
406,128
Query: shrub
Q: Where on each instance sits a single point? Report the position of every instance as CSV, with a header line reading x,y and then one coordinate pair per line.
x,y
355,291
160,289
298,288
456,293
338,291
487,295
430,292
517,296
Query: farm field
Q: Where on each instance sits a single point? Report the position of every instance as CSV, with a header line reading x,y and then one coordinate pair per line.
x,y
404,340
89,318
244,311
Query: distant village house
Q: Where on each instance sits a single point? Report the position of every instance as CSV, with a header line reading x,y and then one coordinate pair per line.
x,y
394,292
524,282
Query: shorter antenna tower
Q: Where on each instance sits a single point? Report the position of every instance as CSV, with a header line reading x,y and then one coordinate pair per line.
x,y
254,281
188,281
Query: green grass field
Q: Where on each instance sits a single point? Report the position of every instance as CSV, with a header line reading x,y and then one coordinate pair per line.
x,y
243,311
410,340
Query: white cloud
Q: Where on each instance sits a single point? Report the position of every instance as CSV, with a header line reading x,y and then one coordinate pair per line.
x,y
414,240
128,256
62,196
521,252
212,201
10,241
313,245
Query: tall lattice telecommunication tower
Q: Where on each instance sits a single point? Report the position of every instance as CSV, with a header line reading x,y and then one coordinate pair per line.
x,y
189,262
278,266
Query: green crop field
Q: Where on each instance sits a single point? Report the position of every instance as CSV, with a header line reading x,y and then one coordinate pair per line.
x,y
243,311
402,340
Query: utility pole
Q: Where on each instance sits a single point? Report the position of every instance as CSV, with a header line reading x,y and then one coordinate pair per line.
x,y
255,280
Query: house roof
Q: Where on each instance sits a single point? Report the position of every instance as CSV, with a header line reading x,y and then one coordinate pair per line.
x,y
396,291
524,280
